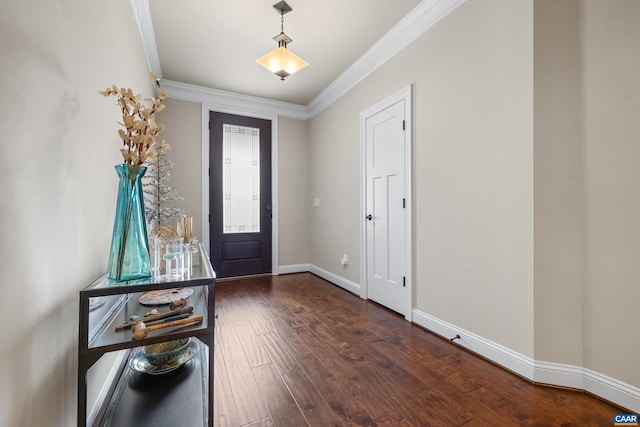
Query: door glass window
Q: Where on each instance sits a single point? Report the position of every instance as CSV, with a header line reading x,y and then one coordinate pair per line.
x,y
240,179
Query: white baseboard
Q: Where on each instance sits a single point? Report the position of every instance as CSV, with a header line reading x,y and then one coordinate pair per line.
x,y
556,374
336,280
559,374
593,382
497,353
294,268
327,275
612,390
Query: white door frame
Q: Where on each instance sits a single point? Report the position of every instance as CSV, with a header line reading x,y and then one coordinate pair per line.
x,y
223,108
402,95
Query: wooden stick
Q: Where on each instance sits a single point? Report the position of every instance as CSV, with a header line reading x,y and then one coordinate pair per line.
x,y
140,330
156,317
167,319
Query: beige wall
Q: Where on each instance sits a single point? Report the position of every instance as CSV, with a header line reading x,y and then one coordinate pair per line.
x,y
334,168
293,191
58,187
472,77
558,169
183,122
587,206
611,112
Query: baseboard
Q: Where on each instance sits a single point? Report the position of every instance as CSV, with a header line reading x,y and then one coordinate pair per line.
x,y
595,383
335,279
327,275
558,374
497,353
294,268
612,390
555,374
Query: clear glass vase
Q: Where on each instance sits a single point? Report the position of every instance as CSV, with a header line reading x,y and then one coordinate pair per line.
x,y
129,255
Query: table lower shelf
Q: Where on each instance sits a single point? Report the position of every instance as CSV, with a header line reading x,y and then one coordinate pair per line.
x,y
177,398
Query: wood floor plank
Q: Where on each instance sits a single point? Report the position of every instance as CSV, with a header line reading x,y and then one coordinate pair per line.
x,y
266,422
350,404
253,349
246,396
342,383
295,350
281,405
310,401
224,409
328,336
296,346
285,315
324,369
383,372
258,305
418,404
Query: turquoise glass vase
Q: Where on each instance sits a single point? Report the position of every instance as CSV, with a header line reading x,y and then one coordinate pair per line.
x,y
129,256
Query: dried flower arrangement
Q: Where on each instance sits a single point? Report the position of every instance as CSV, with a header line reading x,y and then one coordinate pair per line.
x,y
140,128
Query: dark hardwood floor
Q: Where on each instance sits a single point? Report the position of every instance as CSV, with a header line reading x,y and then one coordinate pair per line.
x,y
295,350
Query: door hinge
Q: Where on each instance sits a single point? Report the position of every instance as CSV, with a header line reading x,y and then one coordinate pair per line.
x,y
209,172
404,281
403,124
209,125
404,203
209,218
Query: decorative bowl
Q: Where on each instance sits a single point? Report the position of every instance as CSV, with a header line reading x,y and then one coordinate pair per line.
x,y
140,363
162,353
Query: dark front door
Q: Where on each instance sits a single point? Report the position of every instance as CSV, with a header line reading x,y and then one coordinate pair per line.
x,y
240,194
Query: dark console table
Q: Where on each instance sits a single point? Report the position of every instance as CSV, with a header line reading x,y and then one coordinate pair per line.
x,y
181,397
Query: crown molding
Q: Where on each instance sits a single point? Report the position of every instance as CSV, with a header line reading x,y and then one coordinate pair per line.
x,y
420,19
426,14
142,14
213,97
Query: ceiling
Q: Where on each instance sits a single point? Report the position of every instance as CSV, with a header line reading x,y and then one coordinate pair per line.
x,y
215,44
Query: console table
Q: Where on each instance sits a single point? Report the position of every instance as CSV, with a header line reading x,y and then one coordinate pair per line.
x,y
181,397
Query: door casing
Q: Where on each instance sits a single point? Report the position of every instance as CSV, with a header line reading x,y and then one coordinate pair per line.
x,y
403,95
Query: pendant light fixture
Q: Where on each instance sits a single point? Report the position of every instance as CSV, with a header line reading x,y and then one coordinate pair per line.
x,y
281,61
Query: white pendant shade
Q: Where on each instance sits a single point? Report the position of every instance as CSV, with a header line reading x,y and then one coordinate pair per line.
x,y
282,62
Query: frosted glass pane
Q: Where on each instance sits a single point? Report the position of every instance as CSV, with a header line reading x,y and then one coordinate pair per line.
x,y
240,179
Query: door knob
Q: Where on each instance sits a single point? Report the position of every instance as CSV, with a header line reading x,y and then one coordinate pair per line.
x,y
369,217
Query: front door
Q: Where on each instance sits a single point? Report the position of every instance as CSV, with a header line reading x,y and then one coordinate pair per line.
x,y
385,207
240,195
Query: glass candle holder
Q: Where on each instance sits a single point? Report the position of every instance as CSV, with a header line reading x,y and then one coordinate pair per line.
x,y
168,258
188,223
180,227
